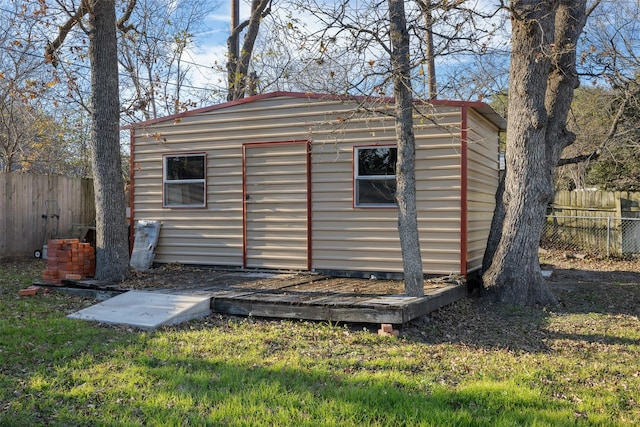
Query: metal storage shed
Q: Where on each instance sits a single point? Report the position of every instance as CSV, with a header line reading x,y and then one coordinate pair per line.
x,y
304,181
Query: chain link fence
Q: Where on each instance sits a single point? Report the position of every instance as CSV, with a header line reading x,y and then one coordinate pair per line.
x,y
592,235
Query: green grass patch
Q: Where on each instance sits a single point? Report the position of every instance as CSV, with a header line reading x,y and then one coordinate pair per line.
x,y
474,364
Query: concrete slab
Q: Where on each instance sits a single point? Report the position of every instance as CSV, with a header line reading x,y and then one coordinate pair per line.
x,y
147,310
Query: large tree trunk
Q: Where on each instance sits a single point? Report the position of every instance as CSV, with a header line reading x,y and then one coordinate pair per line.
x,y
542,80
238,79
112,250
405,167
496,227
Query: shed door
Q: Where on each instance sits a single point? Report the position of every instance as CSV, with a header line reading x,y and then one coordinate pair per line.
x,y
276,218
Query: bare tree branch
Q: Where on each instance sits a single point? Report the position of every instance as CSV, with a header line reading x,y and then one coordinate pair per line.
x,y
75,18
613,130
238,65
121,24
593,7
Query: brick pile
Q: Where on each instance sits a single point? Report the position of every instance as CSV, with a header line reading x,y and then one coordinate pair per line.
x,y
69,259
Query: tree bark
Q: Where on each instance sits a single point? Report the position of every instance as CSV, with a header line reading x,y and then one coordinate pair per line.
x,y
496,226
405,167
6,211
430,56
542,80
239,61
112,251
233,48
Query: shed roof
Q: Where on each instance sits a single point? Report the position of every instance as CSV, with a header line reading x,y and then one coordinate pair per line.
x,y
482,108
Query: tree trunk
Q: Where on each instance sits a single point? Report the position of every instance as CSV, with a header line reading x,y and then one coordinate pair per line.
x,y
542,79
430,56
496,227
405,167
233,49
239,60
6,195
112,251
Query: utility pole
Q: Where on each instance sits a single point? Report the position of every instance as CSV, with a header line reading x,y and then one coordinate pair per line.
x,y
233,47
235,17
427,7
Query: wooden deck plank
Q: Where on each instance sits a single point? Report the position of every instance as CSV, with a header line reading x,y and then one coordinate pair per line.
x,y
232,293
326,298
388,302
308,312
281,284
396,309
341,301
441,298
329,290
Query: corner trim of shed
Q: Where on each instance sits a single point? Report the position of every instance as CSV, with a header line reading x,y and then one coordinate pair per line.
x,y
463,190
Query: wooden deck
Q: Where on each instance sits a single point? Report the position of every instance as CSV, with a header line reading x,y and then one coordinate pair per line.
x,y
395,309
306,296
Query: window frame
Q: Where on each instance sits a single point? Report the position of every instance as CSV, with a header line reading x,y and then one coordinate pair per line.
x,y
357,178
166,181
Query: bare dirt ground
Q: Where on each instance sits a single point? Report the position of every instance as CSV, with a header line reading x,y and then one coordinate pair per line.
x,y
179,277
569,271
572,270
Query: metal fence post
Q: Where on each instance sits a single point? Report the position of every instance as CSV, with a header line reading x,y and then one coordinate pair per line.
x,y
582,233
608,236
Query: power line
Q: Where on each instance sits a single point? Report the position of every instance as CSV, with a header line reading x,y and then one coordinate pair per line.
x,y
185,61
121,74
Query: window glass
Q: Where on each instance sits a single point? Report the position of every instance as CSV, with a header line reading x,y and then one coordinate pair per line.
x,y
375,176
377,161
184,167
184,180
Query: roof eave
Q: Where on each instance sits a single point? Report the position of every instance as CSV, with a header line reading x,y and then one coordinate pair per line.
x,y
483,109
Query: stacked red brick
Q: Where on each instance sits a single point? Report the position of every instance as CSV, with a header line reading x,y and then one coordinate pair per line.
x,y
69,259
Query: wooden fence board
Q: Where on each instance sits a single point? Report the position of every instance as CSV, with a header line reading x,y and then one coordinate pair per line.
x,y
22,204
594,221
597,203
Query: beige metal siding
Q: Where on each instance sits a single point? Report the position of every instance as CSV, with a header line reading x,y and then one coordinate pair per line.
x,y
482,181
438,185
366,239
276,206
212,235
343,237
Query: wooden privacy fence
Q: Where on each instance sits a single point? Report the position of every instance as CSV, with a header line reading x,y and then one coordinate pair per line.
x,y
597,203
598,222
25,198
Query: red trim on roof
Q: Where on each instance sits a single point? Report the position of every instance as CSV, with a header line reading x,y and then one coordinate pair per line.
x,y
308,95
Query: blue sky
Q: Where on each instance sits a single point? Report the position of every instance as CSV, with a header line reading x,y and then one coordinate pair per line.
x,y
212,48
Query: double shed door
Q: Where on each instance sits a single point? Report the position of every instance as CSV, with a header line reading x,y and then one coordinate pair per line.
x,y
277,186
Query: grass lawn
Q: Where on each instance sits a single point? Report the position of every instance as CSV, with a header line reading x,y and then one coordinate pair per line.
x,y
474,363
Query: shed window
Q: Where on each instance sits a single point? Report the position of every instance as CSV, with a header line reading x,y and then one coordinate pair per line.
x,y
184,179
375,176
